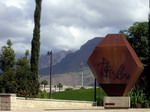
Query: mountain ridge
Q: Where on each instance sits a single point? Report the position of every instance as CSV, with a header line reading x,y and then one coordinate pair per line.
x,y
72,61
57,57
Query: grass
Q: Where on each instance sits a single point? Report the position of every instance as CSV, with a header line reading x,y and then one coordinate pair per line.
x,y
80,94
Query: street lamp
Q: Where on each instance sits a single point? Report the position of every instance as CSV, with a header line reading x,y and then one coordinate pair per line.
x,y
95,90
50,73
94,103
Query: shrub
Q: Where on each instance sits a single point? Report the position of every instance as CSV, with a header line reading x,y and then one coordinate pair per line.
x,y
68,89
43,94
99,100
82,88
138,98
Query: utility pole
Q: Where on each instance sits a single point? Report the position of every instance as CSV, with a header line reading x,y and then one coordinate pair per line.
x,y
82,70
50,73
82,78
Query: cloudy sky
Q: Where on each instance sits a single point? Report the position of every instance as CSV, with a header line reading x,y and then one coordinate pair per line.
x,y
67,24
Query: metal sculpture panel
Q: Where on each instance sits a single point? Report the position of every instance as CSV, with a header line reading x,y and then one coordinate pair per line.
x,y
115,65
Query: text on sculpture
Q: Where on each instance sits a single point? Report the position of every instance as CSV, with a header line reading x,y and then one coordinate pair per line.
x,y
106,71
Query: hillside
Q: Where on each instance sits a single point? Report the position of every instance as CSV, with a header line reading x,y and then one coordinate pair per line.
x,y
57,57
72,78
72,61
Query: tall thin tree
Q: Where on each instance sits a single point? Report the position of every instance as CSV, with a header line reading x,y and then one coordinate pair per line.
x,y
35,50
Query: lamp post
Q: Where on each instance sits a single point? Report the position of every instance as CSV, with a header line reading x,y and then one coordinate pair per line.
x,y
95,90
94,103
50,73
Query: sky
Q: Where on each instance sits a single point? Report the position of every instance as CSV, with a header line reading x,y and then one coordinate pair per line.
x,y
67,24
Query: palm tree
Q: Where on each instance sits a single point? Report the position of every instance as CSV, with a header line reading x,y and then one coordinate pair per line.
x,y
59,85
44,82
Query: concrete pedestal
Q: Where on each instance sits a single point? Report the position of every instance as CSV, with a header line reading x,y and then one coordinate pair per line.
x,y
7,101
116,102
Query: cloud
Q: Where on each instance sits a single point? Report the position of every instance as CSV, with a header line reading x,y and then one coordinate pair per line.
x,y
15,25
67,24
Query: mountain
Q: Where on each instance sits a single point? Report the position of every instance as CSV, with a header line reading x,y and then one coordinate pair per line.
x,y
57,57
72,61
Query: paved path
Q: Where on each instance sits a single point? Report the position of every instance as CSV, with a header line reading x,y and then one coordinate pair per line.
x,y
102,110
81,110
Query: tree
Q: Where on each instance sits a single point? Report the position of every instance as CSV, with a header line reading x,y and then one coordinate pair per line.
x,y
7,66
44,82
149,31
138,37
59,85
1,84
22,76
35,48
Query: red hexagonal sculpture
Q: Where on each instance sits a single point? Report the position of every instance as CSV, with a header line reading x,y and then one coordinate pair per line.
x,y
115,65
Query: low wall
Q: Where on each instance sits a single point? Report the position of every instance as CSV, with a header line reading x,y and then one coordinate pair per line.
x,y
21,103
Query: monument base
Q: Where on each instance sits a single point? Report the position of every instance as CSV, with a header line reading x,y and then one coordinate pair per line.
x,y
114,102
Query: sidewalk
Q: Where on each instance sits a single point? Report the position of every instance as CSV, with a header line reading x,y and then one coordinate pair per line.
x,y
93,109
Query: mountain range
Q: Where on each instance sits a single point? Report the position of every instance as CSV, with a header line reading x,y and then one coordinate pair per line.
x,y
68,61
57,57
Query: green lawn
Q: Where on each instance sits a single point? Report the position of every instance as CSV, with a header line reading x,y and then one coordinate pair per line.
x,y
80,94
